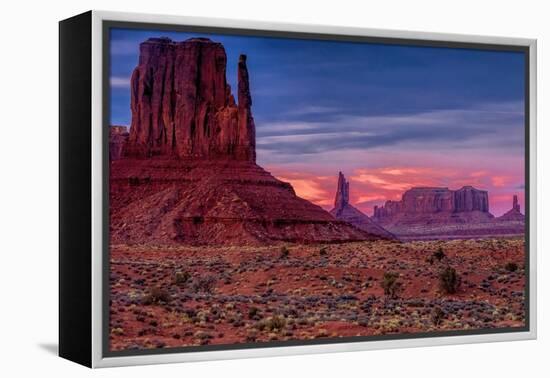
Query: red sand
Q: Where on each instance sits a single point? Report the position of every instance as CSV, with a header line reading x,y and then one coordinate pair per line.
x,y
258,294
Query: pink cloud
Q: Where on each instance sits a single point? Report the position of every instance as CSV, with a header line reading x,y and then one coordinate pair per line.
x,y
499,181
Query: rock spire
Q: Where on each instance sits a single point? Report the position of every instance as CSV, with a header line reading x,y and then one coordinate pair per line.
x,y
342,192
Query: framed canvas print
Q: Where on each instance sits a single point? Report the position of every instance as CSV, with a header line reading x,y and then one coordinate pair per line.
x,y
235,189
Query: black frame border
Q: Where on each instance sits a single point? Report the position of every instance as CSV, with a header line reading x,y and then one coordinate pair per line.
x,y
109,24
75,190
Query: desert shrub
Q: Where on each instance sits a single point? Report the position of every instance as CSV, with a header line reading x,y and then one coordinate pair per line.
x,y
156,294
391,284
117,331
276,323
437,315
181,277
284,252
204,284
272,323
251,335
253,312
439,254
322,333
203,337
449,280
511,266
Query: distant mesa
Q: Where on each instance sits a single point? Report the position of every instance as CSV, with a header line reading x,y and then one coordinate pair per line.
x,y
441,204
187,173
344,211
441,213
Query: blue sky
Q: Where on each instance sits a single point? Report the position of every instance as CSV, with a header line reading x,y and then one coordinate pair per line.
x,y
322,105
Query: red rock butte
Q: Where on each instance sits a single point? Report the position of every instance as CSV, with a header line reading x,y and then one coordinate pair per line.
x,y
182,105
187,173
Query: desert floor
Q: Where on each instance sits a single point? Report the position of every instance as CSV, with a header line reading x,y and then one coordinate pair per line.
x,y
165,297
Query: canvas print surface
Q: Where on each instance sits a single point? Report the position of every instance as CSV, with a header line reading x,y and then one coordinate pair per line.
x,y
269,190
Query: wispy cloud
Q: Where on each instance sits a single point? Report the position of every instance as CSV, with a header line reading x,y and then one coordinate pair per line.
x,y
454,128
312,110
119,82
283,128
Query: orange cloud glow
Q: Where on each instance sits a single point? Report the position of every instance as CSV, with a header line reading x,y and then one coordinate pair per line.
x,y
309,188
371,187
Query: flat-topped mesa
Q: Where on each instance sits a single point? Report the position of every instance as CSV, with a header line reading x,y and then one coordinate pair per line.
x,y
431,200
440,213
182,106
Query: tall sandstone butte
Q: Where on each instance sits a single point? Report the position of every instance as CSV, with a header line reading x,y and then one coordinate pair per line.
x,y
343,210
188,172
182,105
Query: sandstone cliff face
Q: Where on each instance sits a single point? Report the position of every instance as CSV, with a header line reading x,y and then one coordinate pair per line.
x,y
470,199
344,211
182,105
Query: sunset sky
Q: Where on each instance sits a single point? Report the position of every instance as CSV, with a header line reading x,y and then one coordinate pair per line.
x,y
389,117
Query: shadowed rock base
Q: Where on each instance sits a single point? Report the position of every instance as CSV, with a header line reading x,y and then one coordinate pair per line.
x,y
163,201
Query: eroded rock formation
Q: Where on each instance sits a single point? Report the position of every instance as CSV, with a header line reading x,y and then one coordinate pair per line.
x,y
342,192
188,174
514,214
344,211
441,213
182,105
428,201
